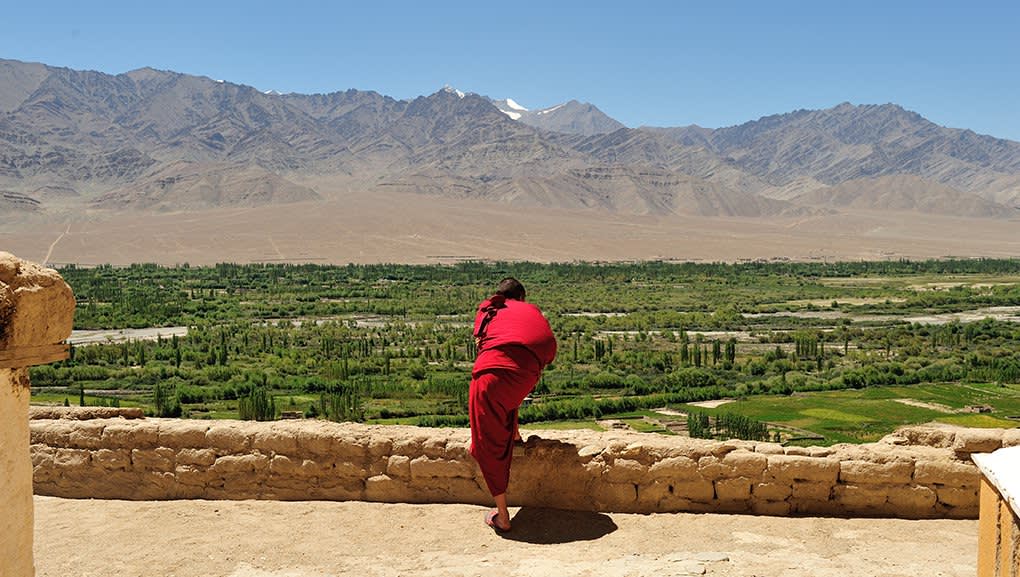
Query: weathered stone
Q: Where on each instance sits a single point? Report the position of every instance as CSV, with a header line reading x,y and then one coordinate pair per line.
x,y
89,435
71,458
893,472
957,496
1011,437
857,498
275,440
789,468
112,459
181,434
130,435
161,459
947,473
771,491
811,491
399,467
426,467
773,508
701,491
674,468
912,500
626,471
970,441
36,305
228,439
196,457
240,464
737,489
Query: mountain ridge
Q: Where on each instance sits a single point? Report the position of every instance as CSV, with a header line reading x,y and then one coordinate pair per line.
x,y
109,137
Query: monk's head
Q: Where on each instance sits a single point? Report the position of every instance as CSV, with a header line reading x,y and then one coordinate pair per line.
x,y
511,288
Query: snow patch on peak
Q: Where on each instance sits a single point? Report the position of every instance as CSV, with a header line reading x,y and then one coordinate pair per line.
x,y
553,109
514,106
512,114
453,90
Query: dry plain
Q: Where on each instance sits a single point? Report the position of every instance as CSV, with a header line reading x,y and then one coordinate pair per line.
x,y
355,227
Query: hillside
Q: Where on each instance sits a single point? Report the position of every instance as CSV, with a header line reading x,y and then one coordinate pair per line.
x,y
84,142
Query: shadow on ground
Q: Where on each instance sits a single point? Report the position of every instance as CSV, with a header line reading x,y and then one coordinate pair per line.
x,y
550,526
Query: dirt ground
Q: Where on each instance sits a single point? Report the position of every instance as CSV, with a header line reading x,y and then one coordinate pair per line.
x,y
93,538
357,227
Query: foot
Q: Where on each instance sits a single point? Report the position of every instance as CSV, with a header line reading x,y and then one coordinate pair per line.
x,y
492,520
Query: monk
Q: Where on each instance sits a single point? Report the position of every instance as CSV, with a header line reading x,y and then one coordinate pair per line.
x,y
514,344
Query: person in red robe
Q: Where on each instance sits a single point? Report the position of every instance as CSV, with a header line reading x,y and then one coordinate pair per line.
x,y
514,343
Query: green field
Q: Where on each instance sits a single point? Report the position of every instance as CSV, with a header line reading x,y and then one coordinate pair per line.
x,y
867,415
819,348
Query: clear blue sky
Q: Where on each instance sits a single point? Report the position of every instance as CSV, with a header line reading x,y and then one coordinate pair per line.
x,y
663,63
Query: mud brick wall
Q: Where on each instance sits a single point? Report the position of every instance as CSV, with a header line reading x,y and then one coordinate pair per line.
x,y
915,473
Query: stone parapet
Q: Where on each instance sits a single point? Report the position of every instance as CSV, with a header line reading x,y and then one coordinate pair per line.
x,y
580,470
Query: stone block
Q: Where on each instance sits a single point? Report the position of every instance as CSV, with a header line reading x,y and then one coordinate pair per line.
x,y
790,468
614,496
958,496
228,439
737,489
385,489
425,467
970,441
771,491
947,473
698,491
869,472
131,435
36,305
71,459
808,491
912,501
196,457
112,460
626,471
157,460
1011,437
52,433
87,435
181,434
230,464
191,475
861,498
275,440
399,467
674,468
771,508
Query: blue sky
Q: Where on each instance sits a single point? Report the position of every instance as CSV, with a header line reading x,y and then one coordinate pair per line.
x,y
663,63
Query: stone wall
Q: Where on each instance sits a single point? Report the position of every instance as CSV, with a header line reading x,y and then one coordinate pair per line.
x,y
915,473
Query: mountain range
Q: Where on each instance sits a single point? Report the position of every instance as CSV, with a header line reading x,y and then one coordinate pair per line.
x,y
152,140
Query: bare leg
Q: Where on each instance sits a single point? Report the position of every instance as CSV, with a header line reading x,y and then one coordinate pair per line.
x,y
503,519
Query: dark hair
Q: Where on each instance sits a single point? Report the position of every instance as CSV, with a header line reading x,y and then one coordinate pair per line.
x,y
511,288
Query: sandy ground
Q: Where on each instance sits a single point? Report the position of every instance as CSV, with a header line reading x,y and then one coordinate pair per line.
x,y
91,538
357,227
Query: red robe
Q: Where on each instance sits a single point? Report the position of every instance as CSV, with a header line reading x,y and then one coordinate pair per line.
x,y
514,344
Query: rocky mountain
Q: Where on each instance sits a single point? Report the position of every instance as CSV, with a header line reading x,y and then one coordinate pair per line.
x,y
571,117
850,142
159,140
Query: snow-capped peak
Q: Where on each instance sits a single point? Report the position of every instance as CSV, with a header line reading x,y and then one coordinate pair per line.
x,y
514,106
453,90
